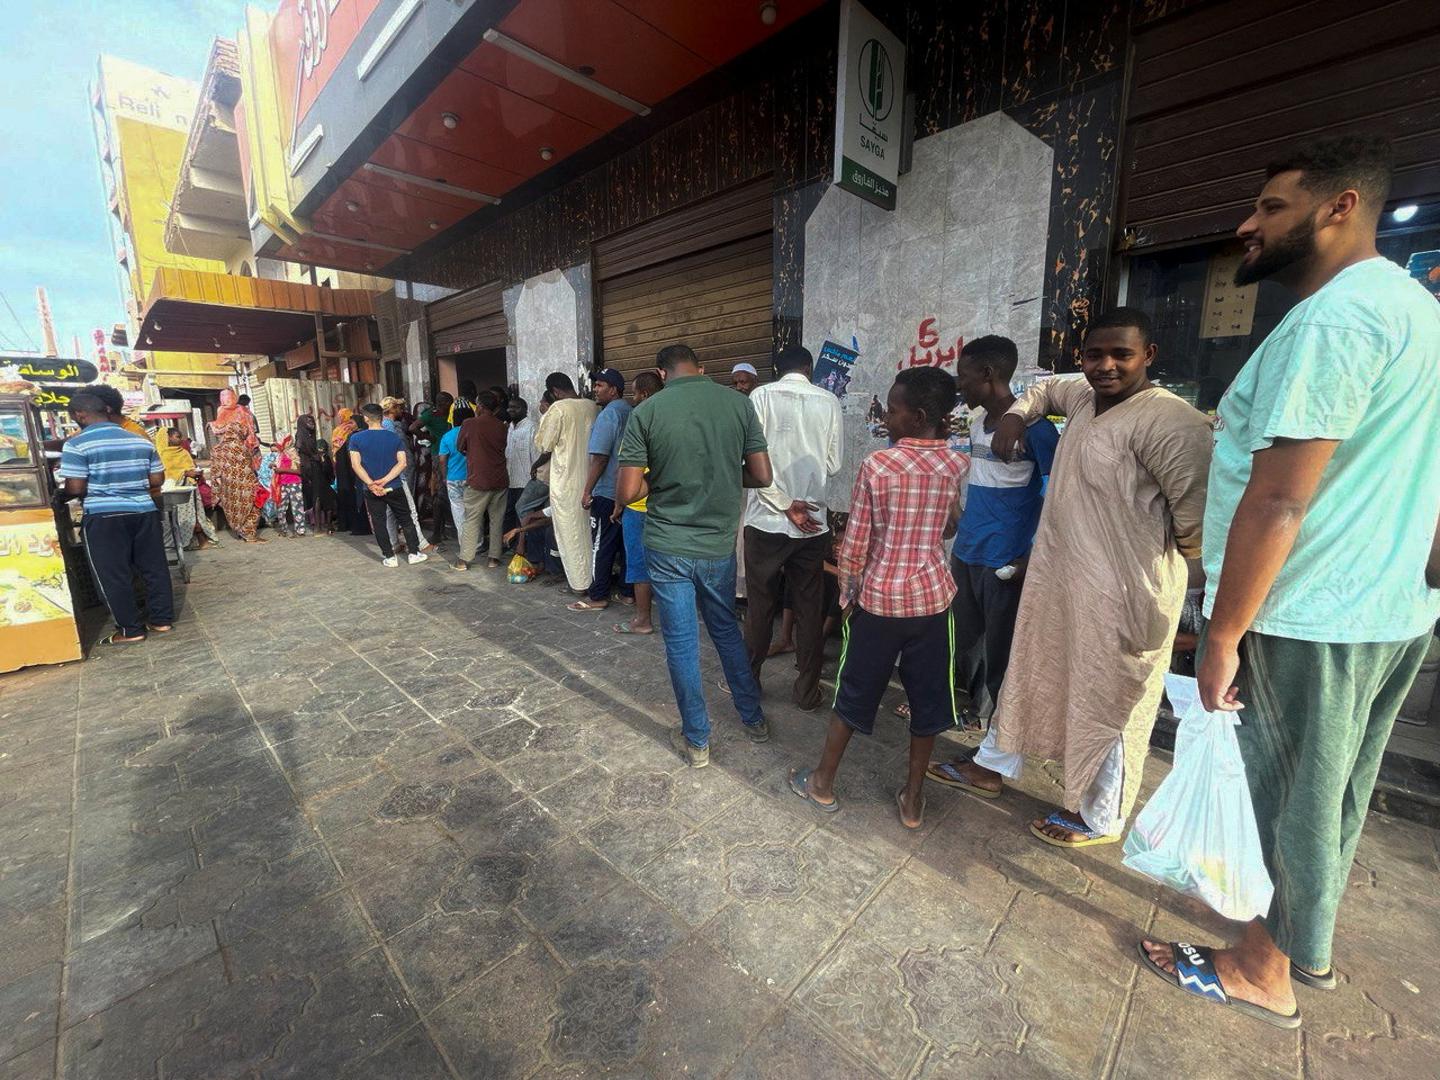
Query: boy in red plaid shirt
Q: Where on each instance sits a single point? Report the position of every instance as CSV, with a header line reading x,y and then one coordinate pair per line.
x,y
895,588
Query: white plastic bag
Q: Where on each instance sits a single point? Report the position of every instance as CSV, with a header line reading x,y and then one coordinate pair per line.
x,y
1197,834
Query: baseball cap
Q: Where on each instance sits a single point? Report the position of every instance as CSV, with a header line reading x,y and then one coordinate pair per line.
x,y
744,367
611,376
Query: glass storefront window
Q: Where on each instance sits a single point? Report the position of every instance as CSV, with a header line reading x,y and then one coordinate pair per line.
x,y
1170,287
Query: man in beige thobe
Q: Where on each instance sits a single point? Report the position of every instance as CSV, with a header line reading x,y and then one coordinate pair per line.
x,y
564,434
1105,582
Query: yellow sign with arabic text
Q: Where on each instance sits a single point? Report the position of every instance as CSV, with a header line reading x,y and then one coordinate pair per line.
x,y
33,587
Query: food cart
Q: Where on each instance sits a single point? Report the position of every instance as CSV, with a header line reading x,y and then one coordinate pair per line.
x,y
37,607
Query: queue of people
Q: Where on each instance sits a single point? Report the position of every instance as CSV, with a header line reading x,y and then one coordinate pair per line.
x,y
1060,565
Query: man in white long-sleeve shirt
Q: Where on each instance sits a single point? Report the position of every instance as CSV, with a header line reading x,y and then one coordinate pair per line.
x,y
786,535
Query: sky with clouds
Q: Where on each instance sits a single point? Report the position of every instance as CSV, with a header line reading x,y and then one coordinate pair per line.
x,y
53,229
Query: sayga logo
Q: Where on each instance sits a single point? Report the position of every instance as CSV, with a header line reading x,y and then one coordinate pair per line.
x,y
877,81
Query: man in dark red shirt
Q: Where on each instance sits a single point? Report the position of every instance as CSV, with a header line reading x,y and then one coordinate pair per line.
x,y
482,441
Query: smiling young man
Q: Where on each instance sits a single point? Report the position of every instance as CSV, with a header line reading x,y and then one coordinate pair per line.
x,y
1324,497
1105,583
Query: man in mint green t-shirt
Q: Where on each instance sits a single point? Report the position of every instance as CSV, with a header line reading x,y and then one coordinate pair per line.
x,y
1323,505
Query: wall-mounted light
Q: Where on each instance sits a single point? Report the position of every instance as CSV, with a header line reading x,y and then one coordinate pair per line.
x,y
450,120
546,153
769,12
1405,213
433,225
352,206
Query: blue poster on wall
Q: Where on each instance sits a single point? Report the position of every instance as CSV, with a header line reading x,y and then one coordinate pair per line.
x,y
833,367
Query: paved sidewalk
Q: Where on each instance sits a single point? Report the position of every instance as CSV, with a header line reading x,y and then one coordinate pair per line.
x,y
349,821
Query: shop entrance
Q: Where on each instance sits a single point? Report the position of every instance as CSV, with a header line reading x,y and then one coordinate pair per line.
x,y
483,367
700,276
467,338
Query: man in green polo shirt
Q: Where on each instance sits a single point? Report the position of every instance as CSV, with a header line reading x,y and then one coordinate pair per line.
x,y
1323,500
700,442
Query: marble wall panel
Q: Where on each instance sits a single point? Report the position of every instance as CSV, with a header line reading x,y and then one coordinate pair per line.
x,y
978,73
546,333
1034,30
958,268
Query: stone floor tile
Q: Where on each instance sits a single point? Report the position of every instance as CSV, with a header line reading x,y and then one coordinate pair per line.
x,y
524,827
792,1046
377,845
122,898
312,939
128,1038
30,939
447,950
354,1011
774,941
630,840
395,900
498,1027
690,878
919,908
578,799
412,1056
563,880
28,1008
702,1013
37,1063
623,926
859,994
109,967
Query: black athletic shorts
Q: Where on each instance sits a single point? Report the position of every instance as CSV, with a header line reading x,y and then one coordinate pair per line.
x,y
925,647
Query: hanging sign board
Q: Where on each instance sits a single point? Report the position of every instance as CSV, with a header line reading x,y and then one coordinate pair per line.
x,y
47,370
869,106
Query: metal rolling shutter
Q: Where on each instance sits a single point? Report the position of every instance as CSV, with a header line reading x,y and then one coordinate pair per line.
x,y
468,321
1218,91
701,276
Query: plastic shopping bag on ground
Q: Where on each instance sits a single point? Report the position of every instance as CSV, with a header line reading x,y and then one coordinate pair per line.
x,y
1197,834
521,570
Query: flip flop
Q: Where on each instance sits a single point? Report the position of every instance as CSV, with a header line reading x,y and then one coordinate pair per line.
x,y
1059,817
585,605
800,785
900,807
946,773
626,628
903,710
118,638
159,629
1195,974
1324,980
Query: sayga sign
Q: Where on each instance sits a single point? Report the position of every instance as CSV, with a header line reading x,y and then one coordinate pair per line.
x,y
869,106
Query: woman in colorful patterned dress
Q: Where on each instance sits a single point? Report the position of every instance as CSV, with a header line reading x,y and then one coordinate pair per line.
x,y
232,462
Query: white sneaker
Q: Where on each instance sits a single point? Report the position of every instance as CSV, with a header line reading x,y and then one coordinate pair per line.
x,y
419,556
391,561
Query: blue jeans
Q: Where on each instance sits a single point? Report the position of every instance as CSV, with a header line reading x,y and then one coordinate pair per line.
x,y
680,583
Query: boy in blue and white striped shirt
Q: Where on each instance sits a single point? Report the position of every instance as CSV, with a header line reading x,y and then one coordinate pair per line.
x,y
119,475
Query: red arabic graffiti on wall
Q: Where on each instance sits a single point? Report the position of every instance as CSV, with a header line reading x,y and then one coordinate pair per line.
x,y
928,338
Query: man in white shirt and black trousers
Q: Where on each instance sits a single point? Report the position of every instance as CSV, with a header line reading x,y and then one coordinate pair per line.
x,y
786,535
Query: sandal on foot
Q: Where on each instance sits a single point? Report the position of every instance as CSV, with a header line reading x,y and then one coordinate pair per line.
x,y
629,628
586,605
118,638
1195,974
1090,838
946,773
800,785
900,808
903,710
164,629
1316,980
